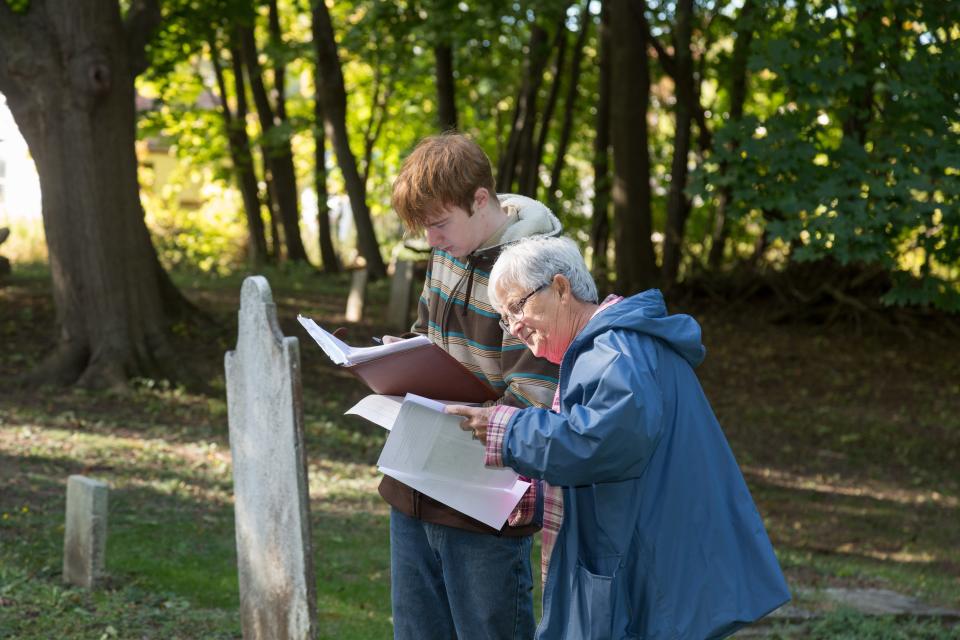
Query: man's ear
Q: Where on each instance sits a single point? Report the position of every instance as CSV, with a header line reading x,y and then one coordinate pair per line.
x,y
480,198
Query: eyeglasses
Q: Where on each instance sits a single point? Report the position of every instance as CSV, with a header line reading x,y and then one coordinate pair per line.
x,y
514,310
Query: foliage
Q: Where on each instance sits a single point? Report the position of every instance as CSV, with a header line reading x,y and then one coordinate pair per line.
x,y
208,236
855,152
18,6
848,147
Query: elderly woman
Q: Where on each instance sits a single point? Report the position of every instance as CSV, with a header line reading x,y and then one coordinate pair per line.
x,y
649,529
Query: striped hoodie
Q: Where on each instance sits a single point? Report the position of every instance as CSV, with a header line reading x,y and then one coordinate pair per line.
x,y
455,313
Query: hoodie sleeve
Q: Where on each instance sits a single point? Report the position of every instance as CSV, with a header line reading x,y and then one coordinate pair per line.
x,y
612,428
530,381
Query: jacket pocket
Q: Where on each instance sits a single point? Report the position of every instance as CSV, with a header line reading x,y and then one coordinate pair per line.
x,y
591,611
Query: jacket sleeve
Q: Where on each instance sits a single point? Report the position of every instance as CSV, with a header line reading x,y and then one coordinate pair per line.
x,y
612,427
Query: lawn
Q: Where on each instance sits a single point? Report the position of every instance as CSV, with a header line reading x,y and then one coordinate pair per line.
x,y
848,439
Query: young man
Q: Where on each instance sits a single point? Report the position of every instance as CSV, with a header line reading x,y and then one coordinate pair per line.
x,y
454,577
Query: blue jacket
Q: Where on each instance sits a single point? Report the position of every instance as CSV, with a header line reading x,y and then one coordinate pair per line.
x,y
660,537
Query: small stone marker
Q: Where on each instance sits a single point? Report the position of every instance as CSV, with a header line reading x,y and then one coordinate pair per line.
x,y
401,293
358,287
85,534
264,408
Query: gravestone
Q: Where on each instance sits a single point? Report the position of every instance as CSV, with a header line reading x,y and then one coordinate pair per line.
x,y
358,288
401,293
264,408
85,531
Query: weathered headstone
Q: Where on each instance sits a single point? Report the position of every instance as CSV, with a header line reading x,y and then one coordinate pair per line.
x,y
85,532
401,293
274,548
358,288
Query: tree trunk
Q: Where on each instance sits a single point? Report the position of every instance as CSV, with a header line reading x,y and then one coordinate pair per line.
x,y
333,100
279,68
276,240
678,205
277,152
70,89
629,99
446,89
738,96
378,116
531,172
859,111
520,142
600,223
239,144
566,129
328,255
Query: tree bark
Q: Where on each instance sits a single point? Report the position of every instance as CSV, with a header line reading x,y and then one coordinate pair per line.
x,y
277,152
629,100
446,88
566,128
600,222
70,89
239,144
330,262
738,96
678,205
333,100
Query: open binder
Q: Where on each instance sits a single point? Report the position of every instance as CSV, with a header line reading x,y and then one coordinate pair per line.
x,y
415,366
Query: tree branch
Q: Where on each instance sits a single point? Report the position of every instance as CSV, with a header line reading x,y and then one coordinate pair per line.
x,y
666,60
142,21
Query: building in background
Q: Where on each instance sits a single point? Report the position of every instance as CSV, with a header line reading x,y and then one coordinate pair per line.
x,y
19,183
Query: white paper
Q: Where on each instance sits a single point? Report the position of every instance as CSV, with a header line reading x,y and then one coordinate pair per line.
x,y
436,457
342,353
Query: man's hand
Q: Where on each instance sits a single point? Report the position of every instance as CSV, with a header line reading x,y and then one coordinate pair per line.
x,y
475,419
389,339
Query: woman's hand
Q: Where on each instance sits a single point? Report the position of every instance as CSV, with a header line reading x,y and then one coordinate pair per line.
x,y
475,419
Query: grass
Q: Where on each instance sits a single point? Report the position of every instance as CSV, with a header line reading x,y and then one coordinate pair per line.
x,y
849,444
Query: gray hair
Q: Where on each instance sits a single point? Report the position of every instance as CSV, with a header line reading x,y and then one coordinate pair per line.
x,y
532,262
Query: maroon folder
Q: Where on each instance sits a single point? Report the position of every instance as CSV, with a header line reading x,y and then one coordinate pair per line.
x,y
427,371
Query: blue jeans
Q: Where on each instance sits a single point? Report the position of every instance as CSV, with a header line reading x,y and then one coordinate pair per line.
x,y
448,583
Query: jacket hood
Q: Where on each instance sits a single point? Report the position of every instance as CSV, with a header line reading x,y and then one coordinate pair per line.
x,y
646,313
534,220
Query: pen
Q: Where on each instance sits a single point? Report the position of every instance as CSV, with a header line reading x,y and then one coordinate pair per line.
x,y
377,340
